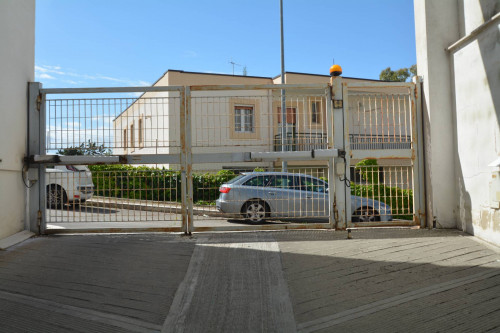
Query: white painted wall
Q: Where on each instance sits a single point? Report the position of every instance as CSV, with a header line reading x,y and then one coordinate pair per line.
x,y
17,50
462,101
434,29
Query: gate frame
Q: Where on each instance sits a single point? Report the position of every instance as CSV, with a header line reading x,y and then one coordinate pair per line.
x,y
38,159
415,154
337,154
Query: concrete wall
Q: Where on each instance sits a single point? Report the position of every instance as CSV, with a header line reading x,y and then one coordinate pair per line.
x,y
17,49
462,110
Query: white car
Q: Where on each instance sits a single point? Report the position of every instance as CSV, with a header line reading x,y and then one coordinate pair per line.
x,y
68,184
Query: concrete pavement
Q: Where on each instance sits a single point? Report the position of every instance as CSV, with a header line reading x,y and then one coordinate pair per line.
x,y
385,280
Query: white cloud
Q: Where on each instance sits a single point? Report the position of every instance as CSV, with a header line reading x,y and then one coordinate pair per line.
x,y
57,73
46,76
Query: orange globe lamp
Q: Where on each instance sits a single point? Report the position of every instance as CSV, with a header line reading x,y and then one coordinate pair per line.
x,y
335,70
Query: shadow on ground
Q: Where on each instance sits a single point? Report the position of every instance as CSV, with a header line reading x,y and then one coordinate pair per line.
x,y
136,277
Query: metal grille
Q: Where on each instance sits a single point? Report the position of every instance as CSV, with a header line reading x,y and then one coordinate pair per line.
x,y
383,161
218,121
380,121
201,137
114,125
388,184
299,195
113,193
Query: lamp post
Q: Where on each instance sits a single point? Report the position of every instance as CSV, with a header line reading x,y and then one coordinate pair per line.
x,y
284,165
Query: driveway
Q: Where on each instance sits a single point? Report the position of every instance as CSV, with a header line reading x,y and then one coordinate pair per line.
x,y
384,280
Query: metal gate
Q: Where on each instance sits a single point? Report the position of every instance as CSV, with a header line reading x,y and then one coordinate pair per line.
x,y
203,158
383,130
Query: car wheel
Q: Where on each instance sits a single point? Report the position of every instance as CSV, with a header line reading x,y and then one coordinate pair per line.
x,y
365,214
56,196
255,211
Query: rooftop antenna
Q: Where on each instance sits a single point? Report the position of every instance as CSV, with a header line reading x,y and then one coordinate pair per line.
x,y
233,63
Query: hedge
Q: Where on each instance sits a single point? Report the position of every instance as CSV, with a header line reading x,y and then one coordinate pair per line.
x,y
400,200
146,183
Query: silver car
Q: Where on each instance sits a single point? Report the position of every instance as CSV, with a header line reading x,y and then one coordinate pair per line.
x,y
260,195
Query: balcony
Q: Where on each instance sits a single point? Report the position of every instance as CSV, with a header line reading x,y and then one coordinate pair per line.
x,y
301,141
310,141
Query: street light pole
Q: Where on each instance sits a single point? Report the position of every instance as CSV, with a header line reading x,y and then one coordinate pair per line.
x,y
284,165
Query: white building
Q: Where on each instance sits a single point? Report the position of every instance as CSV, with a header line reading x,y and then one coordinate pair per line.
x,y
17,56
458,57
246,120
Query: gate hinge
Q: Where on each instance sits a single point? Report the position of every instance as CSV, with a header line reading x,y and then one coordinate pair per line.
x,y
38,102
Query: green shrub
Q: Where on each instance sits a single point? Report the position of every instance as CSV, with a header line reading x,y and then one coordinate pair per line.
x,y
400,200
146,183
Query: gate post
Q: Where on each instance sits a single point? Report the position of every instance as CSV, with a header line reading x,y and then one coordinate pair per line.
x,y
331,162
36,146
340,142
418,146
186,162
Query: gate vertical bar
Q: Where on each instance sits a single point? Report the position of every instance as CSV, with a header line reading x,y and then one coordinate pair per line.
x,y
41,169
331,164
338,143
183,166
347,160
420,211
189,160
34,135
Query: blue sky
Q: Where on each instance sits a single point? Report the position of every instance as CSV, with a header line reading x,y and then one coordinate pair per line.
x,y
96,43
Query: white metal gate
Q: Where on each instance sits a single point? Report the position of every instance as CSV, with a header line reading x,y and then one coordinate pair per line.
x,y
158,158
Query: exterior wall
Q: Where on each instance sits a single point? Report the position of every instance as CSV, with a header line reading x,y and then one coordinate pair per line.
x,y
436,27
158,115
476,69
462,103
181,78
17,39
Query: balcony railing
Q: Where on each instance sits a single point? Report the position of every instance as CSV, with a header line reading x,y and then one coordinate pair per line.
x,y
310,141
362,141
301,141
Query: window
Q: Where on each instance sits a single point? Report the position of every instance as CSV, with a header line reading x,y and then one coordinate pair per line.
x,y
244,119
141,139
125,138
283,182
260,181
313,185
132,139
316,112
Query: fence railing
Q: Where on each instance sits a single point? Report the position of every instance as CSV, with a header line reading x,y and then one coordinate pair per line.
x,y
361,141
301,141
309,141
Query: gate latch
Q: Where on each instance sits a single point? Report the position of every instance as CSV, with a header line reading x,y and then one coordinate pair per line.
x,y
338,103
38,102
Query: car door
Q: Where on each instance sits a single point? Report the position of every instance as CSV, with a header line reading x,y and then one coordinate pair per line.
x,y
282,197
314,197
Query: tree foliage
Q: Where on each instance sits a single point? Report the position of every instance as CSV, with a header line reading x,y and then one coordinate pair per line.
x,y
400,75
85,148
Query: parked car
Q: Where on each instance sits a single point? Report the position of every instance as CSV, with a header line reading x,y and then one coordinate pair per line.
x,y
260,195
68,184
